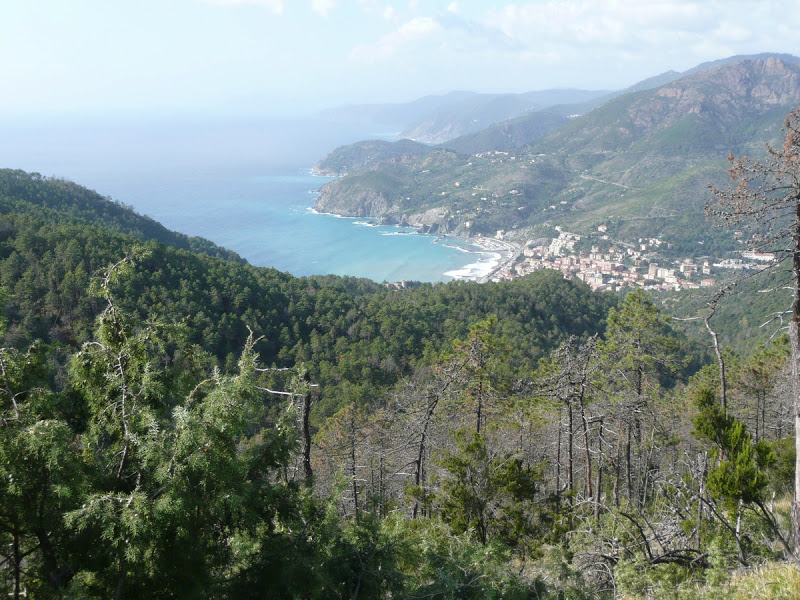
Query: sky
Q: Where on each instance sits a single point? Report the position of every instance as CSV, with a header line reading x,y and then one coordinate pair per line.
x,y
288,57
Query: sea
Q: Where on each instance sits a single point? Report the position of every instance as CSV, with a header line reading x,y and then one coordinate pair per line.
x,y
243,183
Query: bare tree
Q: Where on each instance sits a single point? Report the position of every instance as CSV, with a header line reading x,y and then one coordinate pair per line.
x,y
301,395
568,380
764,201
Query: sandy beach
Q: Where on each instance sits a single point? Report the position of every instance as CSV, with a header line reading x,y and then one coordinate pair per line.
x,y
495,255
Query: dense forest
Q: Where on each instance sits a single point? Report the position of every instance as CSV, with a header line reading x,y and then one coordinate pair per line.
x,y
175,423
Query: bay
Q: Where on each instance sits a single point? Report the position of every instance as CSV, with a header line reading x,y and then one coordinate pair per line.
x,y
244,184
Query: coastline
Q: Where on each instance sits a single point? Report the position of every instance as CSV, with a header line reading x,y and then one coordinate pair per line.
x,y
501,254
494,254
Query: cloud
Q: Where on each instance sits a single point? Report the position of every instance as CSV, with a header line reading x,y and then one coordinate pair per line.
x,y
373,7
427,38
323,7
613,22
275,5
477,36
666,34
581,43
415,30
625,23
732,32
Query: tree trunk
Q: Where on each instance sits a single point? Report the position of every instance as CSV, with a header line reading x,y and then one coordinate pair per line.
x,y
307,439
570,480
628,485
479,411
586,448
119,588
381,488
17,558
353,467
558,466
701,492
794,339
418,463
617,474
599,481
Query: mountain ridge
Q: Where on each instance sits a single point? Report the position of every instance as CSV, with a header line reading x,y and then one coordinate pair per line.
x,y
69,202
439,118
628,153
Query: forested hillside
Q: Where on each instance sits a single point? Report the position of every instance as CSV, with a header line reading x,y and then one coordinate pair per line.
x,y
58,200
177,424
344,328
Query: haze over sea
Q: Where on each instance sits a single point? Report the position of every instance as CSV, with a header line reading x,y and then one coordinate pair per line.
x,y
244,184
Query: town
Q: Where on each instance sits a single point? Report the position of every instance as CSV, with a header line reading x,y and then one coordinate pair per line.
x,y
622,264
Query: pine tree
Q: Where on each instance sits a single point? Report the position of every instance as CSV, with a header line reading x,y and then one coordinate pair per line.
x,y
764,202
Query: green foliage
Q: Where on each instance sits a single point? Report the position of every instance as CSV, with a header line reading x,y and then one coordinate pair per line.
x,y
41,477
781,471
182,468
348,331
53,199
490,495
770,582
641,342
366,154
132,464
740,473
739,315
447,566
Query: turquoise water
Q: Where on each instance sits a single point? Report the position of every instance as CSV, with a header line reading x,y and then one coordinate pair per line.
x,y
245,186
267,218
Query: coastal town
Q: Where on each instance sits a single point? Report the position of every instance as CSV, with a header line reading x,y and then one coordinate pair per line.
x,y
620,265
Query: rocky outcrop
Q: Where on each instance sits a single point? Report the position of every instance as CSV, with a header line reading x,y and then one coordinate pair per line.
x,y
367,154
726,91
341,200
434,220
346,203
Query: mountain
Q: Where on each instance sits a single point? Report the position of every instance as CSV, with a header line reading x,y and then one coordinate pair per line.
x,y
366,154
652,82
509,134
524,130
641,162
460,125
720,108
435,119
397,115
787,58
69,203
486,109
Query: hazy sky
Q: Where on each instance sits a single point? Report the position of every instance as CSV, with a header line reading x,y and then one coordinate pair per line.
x,y
300,55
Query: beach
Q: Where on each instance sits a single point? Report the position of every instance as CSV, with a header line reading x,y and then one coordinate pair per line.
x,y
495,255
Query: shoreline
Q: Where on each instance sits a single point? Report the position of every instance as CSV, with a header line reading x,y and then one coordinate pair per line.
x,y
505,251
494,254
